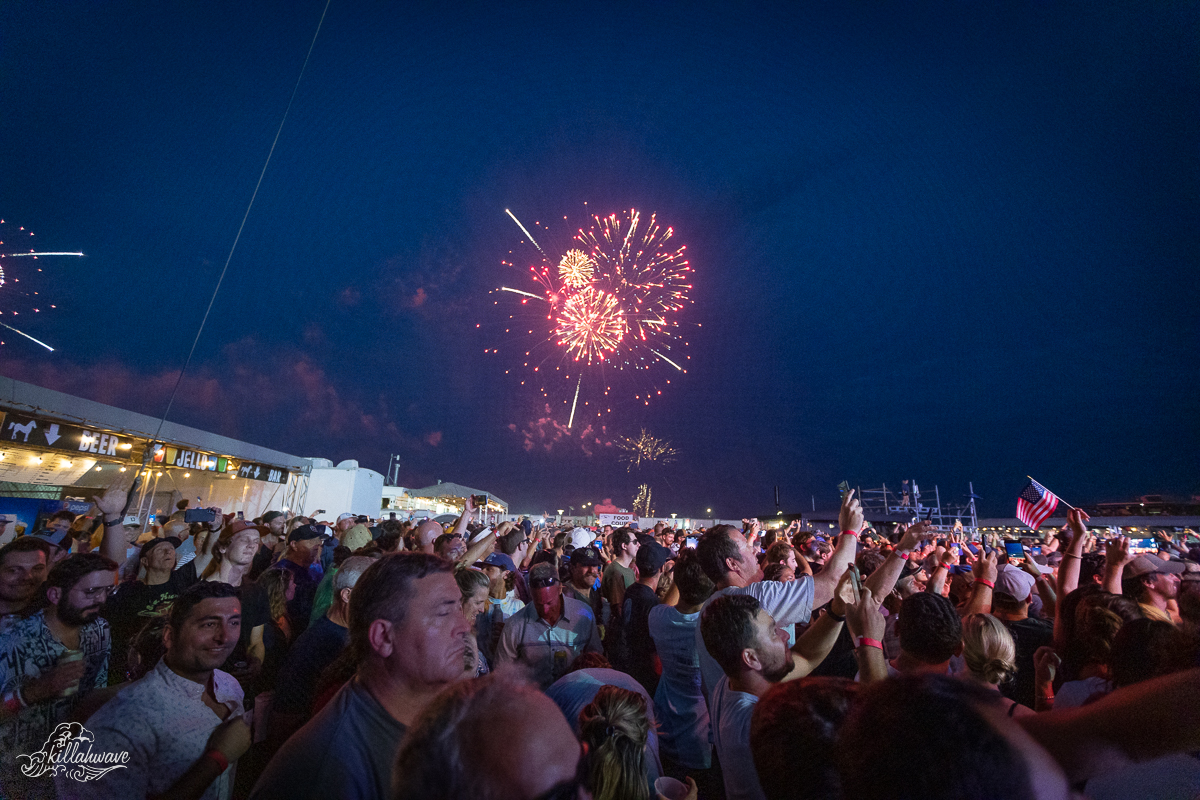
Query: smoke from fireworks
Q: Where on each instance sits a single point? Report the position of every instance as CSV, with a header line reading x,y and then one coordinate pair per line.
x,y
644,448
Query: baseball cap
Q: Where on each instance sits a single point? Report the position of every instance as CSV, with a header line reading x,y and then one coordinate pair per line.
x,y
1144,565
239,525
306,532
650,558
271,515
132,521
580,538
1015,582
357,537
542,575
500,560
482,532
52,536
644,539
585,557
347,515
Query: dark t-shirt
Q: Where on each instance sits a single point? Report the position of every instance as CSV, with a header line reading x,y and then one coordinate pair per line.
x,y
346,751
134,604
300,606
1029,635
639,600
262,561
315,650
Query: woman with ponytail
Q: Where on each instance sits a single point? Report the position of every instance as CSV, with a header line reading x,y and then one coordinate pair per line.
x,y
615,728
991,655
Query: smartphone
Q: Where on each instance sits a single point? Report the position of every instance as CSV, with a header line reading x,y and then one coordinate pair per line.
x,y
956,549
1014,549
392,515
692,542
854,582
1139,546
1037,551
843,490
241,515
191,515
479,500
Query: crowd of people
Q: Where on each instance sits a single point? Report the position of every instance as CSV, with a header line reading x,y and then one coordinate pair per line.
x,y
290,658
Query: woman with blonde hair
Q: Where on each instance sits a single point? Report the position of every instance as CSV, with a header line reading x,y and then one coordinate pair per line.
x,y
991,655
615,728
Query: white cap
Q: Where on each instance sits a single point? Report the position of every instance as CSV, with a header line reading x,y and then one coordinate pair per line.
x,y
481,534
132,521
347,515
581,538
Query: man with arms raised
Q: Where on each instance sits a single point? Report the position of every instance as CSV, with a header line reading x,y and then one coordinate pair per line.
x,y
731,563
182,723
407,634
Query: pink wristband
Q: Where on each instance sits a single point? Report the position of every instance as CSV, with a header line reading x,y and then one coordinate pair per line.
x,y
850,533
863,641
904,555
988,584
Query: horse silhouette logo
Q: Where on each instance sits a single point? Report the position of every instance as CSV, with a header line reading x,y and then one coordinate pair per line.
x,y
68,752
24,430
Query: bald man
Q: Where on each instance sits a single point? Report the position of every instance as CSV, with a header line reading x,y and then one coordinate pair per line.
x,y
427,533
511,741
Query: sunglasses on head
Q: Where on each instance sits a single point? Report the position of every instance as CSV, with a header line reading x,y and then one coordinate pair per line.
x,y
543,583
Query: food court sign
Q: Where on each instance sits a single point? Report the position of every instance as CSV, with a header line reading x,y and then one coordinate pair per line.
x,y
37,432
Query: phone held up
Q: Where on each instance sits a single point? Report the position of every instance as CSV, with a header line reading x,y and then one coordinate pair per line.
x,y
191,515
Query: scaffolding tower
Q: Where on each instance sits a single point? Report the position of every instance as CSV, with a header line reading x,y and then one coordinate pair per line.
x,y
908,500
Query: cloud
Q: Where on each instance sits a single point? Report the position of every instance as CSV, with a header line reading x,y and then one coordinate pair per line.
x,y
546,432
433,439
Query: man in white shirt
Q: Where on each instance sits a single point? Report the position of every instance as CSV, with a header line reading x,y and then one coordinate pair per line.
x,y
181,725
731,563
752,651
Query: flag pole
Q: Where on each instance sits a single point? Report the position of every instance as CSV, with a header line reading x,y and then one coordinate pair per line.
x,y
1064,502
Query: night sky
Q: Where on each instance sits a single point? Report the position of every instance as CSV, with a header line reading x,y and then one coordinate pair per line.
x,y
948,241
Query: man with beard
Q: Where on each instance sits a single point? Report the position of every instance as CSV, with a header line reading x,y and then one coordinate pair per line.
x,y
49,660
752,650
181,724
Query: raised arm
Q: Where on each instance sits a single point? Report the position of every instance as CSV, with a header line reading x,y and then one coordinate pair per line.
x,y
883,579
850,519
1068,571
985,572
1116,556
1137,723
112,506
460,525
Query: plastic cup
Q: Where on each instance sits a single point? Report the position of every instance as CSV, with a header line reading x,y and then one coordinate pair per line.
x,y
671,788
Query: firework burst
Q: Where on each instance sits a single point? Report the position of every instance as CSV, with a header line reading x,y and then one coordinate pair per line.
x,y
644,448
18,236
641,502
576,269
612,299
590,324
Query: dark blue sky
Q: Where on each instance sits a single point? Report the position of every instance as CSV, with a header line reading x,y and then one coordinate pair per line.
x,y
947,241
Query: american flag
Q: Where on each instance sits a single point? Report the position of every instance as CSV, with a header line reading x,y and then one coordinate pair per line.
x,y
1035,503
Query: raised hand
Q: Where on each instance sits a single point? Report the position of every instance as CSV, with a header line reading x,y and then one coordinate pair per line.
x,y
915,535
112,502
1116,552
850,516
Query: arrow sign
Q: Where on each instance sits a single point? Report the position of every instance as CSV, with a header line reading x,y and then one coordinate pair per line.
x,y
52,435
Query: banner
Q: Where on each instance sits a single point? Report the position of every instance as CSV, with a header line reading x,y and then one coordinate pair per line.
x,y
616,520
37,432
